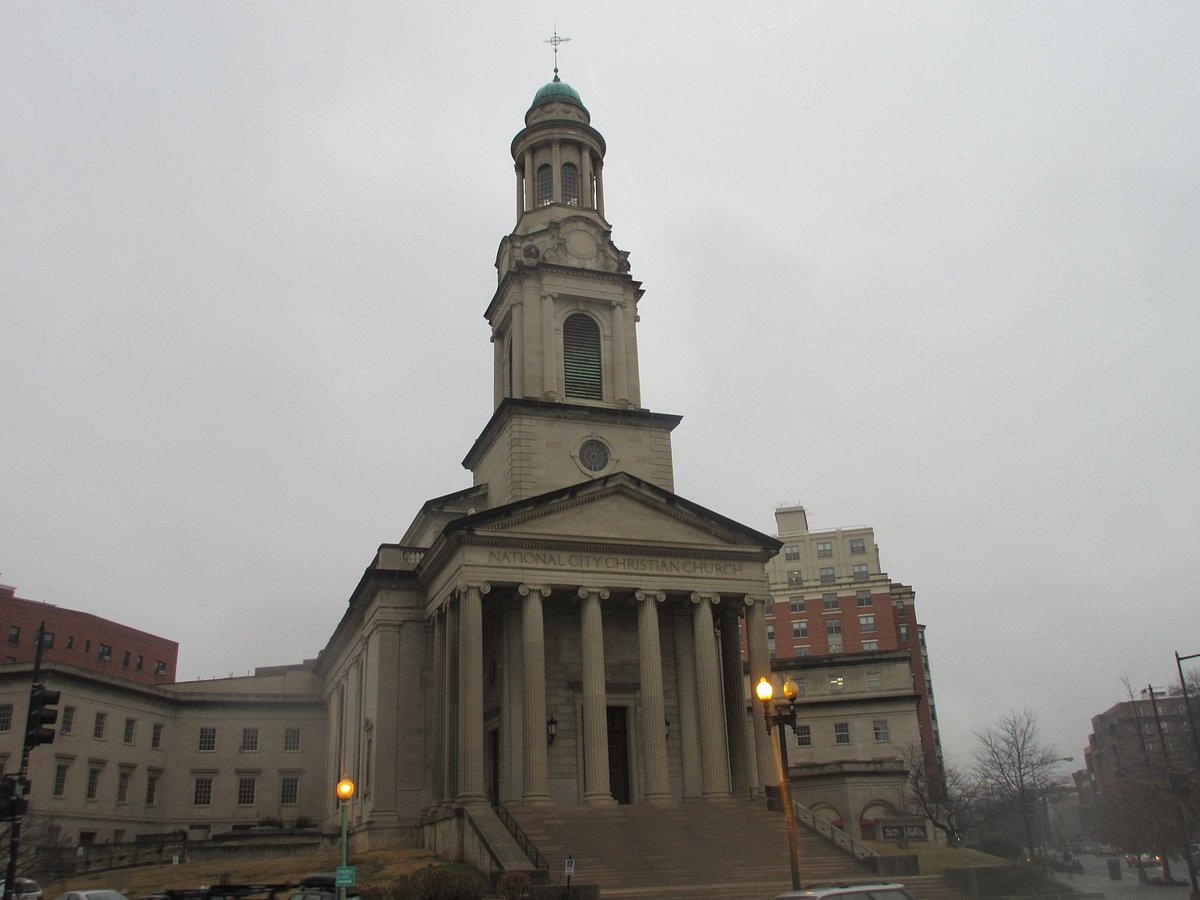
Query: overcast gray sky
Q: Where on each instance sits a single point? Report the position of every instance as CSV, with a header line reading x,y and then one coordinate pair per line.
x,y
931,267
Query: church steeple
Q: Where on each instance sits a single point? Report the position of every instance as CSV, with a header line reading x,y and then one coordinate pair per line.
x,y
567,391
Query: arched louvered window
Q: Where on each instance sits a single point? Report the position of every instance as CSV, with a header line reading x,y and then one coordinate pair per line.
x,y
581,357
545,185
570,184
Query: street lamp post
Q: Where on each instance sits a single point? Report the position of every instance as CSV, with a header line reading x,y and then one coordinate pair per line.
x,y
776,717
345,790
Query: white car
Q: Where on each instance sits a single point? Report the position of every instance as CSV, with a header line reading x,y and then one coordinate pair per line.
x,y
93,894
870,891
23,889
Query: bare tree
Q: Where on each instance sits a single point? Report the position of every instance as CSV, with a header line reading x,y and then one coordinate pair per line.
x,y
945,795
1013,764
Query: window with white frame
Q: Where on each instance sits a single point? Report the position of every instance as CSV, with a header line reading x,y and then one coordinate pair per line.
x,y
124,777
60,779
152,788
793,578
796,604
208,739
202,791
829,601
289,790
98,725
870,646
903,632
860,572
827,576
833,626
291,740
247,788
880,727
156,735
803,735
93,782
866,623
249,740
800,629
874,679
130,729
6,716
68,720
858,546
841,732
825,549
862,597
791,552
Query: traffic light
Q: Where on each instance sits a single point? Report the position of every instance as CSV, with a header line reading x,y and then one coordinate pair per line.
x,y
12,800
42,701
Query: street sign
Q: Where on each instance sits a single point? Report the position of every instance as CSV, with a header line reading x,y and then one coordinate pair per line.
x,y
343,876
570,867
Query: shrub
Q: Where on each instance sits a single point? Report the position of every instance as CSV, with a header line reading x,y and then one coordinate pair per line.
x,y
433,883
515,885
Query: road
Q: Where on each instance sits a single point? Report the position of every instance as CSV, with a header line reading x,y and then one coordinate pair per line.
x,y
1095,879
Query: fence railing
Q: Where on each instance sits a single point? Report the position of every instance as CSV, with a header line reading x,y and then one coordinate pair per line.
x,y
523,841
832,833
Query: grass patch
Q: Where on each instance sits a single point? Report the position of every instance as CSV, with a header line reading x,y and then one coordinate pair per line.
x,y
376,866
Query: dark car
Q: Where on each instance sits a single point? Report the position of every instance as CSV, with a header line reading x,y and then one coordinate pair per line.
x,y
320,886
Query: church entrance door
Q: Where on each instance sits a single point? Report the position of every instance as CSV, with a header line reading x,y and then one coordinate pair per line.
x,y
493,766
618,753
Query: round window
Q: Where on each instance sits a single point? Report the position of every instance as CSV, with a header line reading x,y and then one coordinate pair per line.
x,y
593,455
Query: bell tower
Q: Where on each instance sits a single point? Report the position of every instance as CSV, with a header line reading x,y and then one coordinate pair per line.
x,y
566,387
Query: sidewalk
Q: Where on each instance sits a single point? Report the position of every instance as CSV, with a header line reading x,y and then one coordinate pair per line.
x,y
1095,880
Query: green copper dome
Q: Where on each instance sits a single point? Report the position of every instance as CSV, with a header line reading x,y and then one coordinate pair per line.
x,y
556,90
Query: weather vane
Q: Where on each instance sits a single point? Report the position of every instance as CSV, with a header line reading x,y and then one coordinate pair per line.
x,y
554,42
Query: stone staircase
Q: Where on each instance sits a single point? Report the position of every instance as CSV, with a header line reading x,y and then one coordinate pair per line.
x,y
735,851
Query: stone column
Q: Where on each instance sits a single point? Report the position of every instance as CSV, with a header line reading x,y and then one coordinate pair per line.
x,y
620,372
520,189
587,194
686,727
449,759
658,784
760,666
714,757
517,349
596,789
529,182
556,165
600,187
533,684
470,692
735,705
439,703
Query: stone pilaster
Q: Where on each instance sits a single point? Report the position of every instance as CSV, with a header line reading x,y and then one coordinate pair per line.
x,y
735,705
439,703
533,683
449,759
596,789
714,756
658,785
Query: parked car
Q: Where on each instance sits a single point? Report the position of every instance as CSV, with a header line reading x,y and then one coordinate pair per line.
x,y
868,891
23,889
93,894
321,886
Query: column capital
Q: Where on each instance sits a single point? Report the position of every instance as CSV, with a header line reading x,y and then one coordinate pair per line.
x,y
764,599
526,589
660,596
585,592
701,597
484,587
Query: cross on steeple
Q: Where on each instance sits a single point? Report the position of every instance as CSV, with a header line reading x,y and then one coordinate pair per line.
x,y
554,42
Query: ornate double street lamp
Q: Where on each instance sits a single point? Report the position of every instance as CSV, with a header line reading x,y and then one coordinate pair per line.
x,y
777,716
345,790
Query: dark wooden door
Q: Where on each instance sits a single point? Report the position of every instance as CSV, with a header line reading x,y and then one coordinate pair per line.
x,y
618,753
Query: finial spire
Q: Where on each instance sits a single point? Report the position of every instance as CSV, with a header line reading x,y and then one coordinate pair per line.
x,y
554,42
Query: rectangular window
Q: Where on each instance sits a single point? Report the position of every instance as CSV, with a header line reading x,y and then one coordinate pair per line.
x,y
208,739
858,546
825,550
123,779
48,640
140,659
60,780
105,652
202,793
803,651
125,659
289,790
98,725
93,785
803,736
246,789
829,601
901,609
156,736
770,632
791,552
801,686
841,732
827,576
874,679
870,646
904,632
70,642
862,598
68,720
837,681
130,728
249,740
152,789
860,571
800,629
160,667
866,623
796,604
6,710
793,578
833,626
881,731
14,634
291,740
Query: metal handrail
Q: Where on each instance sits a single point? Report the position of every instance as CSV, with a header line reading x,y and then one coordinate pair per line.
x,y
832,833
523,840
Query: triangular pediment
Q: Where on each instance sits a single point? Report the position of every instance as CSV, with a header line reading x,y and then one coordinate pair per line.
x,y
619,510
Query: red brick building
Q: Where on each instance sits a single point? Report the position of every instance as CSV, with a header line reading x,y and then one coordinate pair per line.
x,y
83,640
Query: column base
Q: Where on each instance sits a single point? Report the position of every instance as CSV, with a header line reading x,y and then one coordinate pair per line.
x,y
662,801
721,799
538,800
599,800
